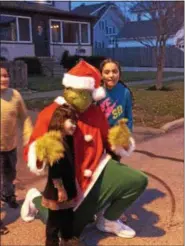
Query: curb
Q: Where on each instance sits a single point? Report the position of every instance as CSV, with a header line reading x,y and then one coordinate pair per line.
x,y
150,81
156,131
147,130
173,125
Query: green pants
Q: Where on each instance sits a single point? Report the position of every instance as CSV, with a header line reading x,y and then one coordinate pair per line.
x,y
118,185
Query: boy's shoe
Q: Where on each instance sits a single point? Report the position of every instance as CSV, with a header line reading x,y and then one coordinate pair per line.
x,y
10,200
72,242
115,227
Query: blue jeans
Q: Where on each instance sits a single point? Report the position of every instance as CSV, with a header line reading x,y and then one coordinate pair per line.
x,y
8,161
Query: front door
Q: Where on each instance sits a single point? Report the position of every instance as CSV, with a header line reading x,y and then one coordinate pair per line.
x,y
41,35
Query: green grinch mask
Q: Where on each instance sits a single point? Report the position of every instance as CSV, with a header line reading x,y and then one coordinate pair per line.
x,y
79,99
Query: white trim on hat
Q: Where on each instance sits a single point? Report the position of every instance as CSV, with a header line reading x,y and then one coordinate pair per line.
x,y
99,93
78,82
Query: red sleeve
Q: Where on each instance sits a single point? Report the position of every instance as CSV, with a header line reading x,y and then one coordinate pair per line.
x,y
40,128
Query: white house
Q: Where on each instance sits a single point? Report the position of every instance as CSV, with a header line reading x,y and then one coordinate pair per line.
x,y
109,20
43,29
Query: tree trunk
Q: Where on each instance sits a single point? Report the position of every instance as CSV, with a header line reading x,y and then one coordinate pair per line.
x,y
160,67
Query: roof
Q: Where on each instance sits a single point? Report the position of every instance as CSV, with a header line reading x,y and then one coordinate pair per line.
x,y
38,7
138,29
95,9
88,9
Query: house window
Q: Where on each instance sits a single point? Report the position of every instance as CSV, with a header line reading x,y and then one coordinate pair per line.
x,y
84,34
113,30
103,25
70,32
15,28
107,30
24,31
111,41
56,31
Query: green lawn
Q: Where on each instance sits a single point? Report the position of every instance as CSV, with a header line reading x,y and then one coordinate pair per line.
x,y
155,108
137,76
44,83
151,108
49,84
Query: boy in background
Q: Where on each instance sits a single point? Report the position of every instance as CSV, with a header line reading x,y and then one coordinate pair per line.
x,y
13,110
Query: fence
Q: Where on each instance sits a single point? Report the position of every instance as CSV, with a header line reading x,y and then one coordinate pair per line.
x,y
18,73
142,56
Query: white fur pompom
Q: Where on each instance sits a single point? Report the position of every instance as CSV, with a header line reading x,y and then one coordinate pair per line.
x,y
87,173
88,138
99,93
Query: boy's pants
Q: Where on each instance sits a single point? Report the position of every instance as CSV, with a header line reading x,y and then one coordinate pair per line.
x,y
8,160
59,221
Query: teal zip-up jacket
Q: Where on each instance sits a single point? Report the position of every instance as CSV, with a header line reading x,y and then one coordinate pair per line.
x,y
117,104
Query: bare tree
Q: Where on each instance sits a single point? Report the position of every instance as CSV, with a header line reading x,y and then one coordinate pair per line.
x,y
124,7
166,18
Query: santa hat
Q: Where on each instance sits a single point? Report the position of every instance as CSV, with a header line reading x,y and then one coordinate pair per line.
x,y
85,76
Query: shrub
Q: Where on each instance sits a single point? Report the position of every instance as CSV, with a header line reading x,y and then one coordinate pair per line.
x,y
68,61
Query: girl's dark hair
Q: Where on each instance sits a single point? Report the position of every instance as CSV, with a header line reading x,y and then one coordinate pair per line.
x,y
109,60
2,65
61,114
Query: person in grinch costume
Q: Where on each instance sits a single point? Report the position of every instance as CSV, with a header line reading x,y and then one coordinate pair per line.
x,y
103,183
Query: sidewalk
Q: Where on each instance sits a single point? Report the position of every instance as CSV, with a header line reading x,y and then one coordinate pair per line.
x,y
157,216
153,69
28,95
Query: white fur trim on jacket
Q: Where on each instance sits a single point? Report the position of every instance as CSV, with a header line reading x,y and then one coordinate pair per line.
x,y
102,163
60,100
99,93
32,160
88,138
118,150
87,173
78,82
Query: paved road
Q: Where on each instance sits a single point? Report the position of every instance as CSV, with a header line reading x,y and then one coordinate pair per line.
x,y
157,216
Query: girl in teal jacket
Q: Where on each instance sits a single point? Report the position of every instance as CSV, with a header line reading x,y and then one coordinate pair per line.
x,y
118,101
